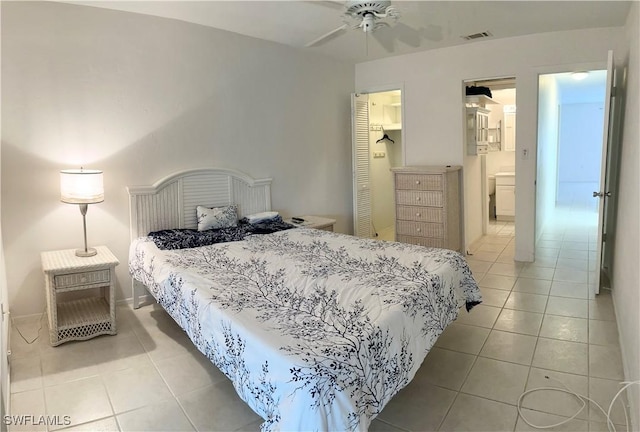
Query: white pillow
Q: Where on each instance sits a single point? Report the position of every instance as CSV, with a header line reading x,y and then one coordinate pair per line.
x,y
259,217
217,217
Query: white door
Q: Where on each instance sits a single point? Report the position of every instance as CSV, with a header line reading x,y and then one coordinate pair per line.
x,y
361,186
606,185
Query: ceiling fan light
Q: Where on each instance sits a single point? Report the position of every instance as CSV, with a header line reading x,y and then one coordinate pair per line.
x,y
368,23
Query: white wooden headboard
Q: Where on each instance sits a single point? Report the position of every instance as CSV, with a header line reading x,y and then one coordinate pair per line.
x,y
171,202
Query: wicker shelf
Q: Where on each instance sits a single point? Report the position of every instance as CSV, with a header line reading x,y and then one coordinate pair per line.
x,y
86,311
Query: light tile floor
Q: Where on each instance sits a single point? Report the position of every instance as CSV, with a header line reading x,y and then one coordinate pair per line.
x,y
537,320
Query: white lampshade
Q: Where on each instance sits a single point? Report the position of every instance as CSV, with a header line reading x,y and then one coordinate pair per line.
x,y
80,186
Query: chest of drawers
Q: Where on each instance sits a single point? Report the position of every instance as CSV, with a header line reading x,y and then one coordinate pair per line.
x,y
428,206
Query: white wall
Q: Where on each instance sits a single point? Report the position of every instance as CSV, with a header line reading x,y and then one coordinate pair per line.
x,y
5,391
498,159
141,97
626,272
580,152
4,320
433,90
547,167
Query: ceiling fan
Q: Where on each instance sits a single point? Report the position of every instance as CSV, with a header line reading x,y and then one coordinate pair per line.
x,y
371,16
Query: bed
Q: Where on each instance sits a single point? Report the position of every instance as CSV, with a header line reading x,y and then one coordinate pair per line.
x,y
317,330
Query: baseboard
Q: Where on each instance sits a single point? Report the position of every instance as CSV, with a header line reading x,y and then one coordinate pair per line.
x,y
633,392
24,319
144,299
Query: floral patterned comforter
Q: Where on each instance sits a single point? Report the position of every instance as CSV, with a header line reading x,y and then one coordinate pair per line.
x,y
316,330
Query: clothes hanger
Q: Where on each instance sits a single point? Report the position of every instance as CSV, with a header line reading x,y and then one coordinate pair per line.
x,y
385,137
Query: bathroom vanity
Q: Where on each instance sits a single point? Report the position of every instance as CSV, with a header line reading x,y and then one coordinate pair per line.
x,y
505,196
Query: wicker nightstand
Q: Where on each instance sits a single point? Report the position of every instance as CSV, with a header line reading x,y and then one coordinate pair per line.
x,y
80,318
316,222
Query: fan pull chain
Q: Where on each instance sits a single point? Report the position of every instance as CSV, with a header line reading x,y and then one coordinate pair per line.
x,y
366,44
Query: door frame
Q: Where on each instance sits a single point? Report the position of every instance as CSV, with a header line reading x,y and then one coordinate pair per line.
x,y
368,91
484,186
544,70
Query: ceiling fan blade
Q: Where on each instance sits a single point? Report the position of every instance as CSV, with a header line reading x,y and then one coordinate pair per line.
x,y
432,32
384,36
336,4
328,36
407,34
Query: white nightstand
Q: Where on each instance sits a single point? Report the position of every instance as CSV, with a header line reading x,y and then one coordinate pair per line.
x,y
80,318
316,222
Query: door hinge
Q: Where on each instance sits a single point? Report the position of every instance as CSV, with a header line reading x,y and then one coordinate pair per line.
x,y
604,237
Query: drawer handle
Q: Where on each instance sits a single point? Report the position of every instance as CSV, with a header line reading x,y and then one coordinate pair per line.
x,y
418,229
418,214
417,198
417,181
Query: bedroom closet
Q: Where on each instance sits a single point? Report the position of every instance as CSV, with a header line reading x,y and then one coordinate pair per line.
x,y
377,147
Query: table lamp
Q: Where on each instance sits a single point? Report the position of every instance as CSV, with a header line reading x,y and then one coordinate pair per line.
x,y
83,187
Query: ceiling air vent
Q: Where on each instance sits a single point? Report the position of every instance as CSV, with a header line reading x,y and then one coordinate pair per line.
x,y
484,34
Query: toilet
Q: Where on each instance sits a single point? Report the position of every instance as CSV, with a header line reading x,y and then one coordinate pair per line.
x,y
491,182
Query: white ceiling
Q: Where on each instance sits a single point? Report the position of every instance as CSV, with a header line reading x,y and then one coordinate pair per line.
x,y
439,23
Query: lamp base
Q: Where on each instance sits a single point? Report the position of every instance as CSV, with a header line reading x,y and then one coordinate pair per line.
x,y
86,253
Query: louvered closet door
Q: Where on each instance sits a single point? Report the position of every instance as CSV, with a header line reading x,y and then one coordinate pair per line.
x,y
361,191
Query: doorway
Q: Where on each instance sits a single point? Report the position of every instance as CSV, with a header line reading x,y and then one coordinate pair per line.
x,y
377,147
489,161
571,119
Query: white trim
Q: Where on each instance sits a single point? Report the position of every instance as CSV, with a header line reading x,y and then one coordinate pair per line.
x,y
163,182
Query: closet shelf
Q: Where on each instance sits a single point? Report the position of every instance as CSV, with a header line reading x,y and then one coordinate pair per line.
x,y
479,100
392,126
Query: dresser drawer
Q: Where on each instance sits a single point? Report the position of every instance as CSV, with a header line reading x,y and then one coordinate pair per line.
x,y
419,181
85,278
420,214
419,198
421,241
420,229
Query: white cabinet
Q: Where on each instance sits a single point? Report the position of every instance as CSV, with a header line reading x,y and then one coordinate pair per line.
x,y
505,196
509,131
505,202
477,130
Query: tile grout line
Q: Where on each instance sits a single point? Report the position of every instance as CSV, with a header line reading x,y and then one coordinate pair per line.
x,y
175,397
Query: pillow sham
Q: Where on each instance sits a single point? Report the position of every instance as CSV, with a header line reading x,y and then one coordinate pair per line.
x,y
216,217
260,217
